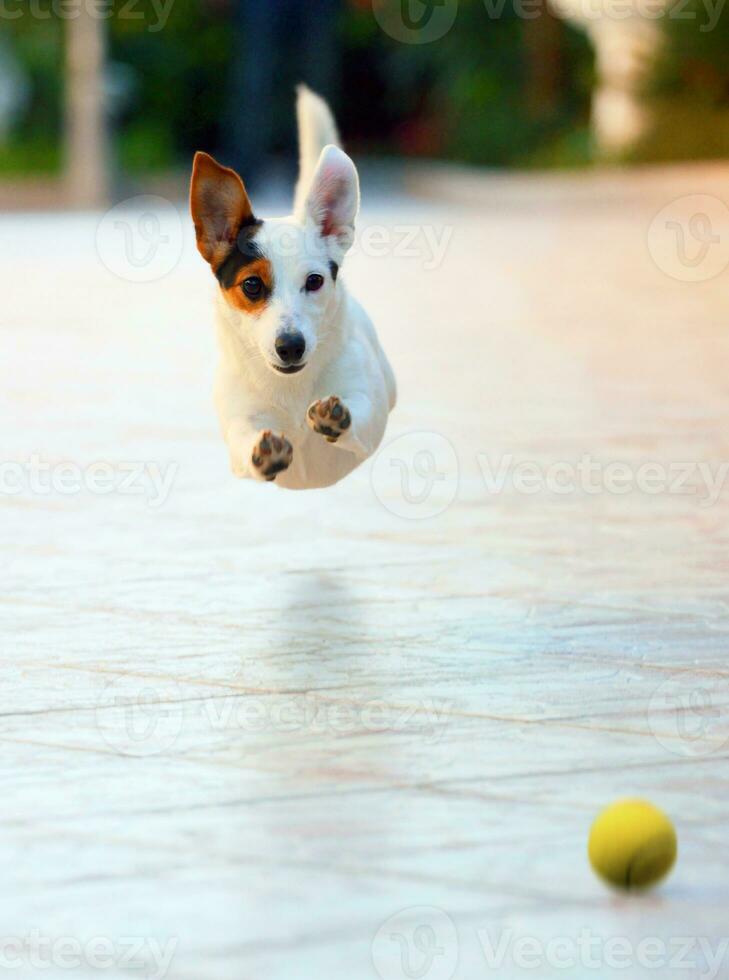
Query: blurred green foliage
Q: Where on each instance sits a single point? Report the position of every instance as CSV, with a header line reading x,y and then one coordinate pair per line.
x,y
688,87
180,76
466,96
35,147
469,96
175,91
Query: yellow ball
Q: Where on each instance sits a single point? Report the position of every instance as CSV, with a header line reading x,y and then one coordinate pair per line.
x,y
632,844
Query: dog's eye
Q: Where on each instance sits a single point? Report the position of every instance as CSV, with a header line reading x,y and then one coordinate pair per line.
x,y
253,287
314,282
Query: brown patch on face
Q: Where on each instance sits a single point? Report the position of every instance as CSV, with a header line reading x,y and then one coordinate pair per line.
x,y
260,269
220,208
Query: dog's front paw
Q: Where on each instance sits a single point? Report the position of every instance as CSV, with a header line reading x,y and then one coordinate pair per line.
x,y
271,454
329,417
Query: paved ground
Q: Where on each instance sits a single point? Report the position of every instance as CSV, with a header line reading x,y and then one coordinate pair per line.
x,y
244,729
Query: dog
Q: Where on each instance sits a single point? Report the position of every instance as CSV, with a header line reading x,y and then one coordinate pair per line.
x,y
303,388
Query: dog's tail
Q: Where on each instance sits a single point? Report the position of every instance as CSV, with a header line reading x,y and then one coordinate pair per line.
x,y
317,129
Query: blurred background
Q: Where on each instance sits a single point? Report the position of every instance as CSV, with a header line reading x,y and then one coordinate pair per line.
x,y
98,97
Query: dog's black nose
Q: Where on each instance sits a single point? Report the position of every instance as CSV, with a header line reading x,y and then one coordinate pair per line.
x,y
290,347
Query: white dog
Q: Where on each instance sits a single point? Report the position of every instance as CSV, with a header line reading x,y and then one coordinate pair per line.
x,y
303,388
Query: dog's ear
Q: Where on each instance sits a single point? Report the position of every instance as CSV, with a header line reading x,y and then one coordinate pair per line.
x,y
333,200
220,207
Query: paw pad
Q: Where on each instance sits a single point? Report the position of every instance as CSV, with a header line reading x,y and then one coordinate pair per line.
x,y
272,454
329,417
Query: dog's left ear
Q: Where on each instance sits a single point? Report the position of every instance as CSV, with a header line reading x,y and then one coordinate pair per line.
x,y
220,208
333,200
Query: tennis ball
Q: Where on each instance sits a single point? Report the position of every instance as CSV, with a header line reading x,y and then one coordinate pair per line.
x,y
632,844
